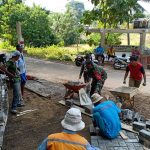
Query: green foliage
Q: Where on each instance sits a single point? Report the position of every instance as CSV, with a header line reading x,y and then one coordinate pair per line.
x,y
94,39
112,13
6,45
35,24
56,53
113,39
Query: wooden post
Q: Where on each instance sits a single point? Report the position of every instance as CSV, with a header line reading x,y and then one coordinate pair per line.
x,y
102,38
19,34
142,41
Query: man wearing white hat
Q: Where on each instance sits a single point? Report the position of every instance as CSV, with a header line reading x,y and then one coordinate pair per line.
x,y
106,116
68,139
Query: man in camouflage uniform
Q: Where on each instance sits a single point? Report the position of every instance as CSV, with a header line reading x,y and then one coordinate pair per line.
x,y
98,75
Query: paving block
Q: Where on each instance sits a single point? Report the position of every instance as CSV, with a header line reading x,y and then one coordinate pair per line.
x,y
127,114
137,117
102,147
145,134
148,124
122,143
144,138
92,130
1,116
131,135
137,126
94,142
130,146
69,102
131,141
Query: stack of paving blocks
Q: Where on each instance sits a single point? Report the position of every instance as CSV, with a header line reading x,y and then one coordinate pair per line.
x,y
3,108
144,132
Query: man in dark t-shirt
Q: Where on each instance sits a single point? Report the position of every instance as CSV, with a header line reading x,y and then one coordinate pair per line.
x,y
137,72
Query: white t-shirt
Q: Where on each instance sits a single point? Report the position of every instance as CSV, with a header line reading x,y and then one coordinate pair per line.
x,y
21,64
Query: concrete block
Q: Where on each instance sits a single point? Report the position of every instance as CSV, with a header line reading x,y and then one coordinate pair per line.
x,y
137,126
130,146
136,117
144,138
92,130
145,134
1,116
69,102
127,114
148,124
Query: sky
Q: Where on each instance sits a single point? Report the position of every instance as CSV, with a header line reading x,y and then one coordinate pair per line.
x,y
56,5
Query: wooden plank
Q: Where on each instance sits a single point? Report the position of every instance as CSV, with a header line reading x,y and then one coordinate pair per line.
x,y
75,106
123,135
128,128
25,112
99,30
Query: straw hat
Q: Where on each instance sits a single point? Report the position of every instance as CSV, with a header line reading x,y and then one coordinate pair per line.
x,y
73,120
96,97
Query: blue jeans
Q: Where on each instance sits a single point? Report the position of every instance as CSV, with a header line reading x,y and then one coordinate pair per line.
x,y
16,94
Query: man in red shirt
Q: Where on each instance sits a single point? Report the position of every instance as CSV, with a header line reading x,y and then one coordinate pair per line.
x,y
137,72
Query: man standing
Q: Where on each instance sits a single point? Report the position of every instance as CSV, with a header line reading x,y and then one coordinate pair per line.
x,y
14,80
106,116
22,67
99,52
68,139
98,75
137,71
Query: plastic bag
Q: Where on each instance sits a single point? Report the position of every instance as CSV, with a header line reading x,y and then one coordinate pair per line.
x,y
84,99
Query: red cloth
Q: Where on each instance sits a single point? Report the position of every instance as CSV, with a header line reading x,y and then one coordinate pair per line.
x,y
97,75
135,71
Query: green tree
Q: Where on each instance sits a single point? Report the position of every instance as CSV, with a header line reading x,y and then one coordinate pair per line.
x,y
34,21
66,26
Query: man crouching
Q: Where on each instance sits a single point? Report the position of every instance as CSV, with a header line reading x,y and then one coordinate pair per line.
x,y
106,116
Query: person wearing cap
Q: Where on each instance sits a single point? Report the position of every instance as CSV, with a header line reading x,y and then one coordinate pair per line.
x,y
22,69
15,80
98,75
99,52
106,116
68,139
137,72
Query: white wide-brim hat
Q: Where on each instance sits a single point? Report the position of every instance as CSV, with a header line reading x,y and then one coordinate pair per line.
x,y
73,120
96,98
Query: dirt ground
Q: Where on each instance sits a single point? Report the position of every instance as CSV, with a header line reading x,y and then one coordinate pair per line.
x,y
27,131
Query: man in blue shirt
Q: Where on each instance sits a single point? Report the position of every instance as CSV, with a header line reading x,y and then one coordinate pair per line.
x,y
106,116
99,52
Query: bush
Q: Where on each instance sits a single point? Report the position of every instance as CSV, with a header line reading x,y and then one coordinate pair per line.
x,y
5,45
52,52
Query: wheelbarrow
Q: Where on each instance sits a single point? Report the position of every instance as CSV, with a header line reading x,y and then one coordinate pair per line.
x,y
73,87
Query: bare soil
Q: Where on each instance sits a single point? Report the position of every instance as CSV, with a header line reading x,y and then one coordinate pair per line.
x,y
27,132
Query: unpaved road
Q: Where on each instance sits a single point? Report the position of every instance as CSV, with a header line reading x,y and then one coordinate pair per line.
x,y
56,72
